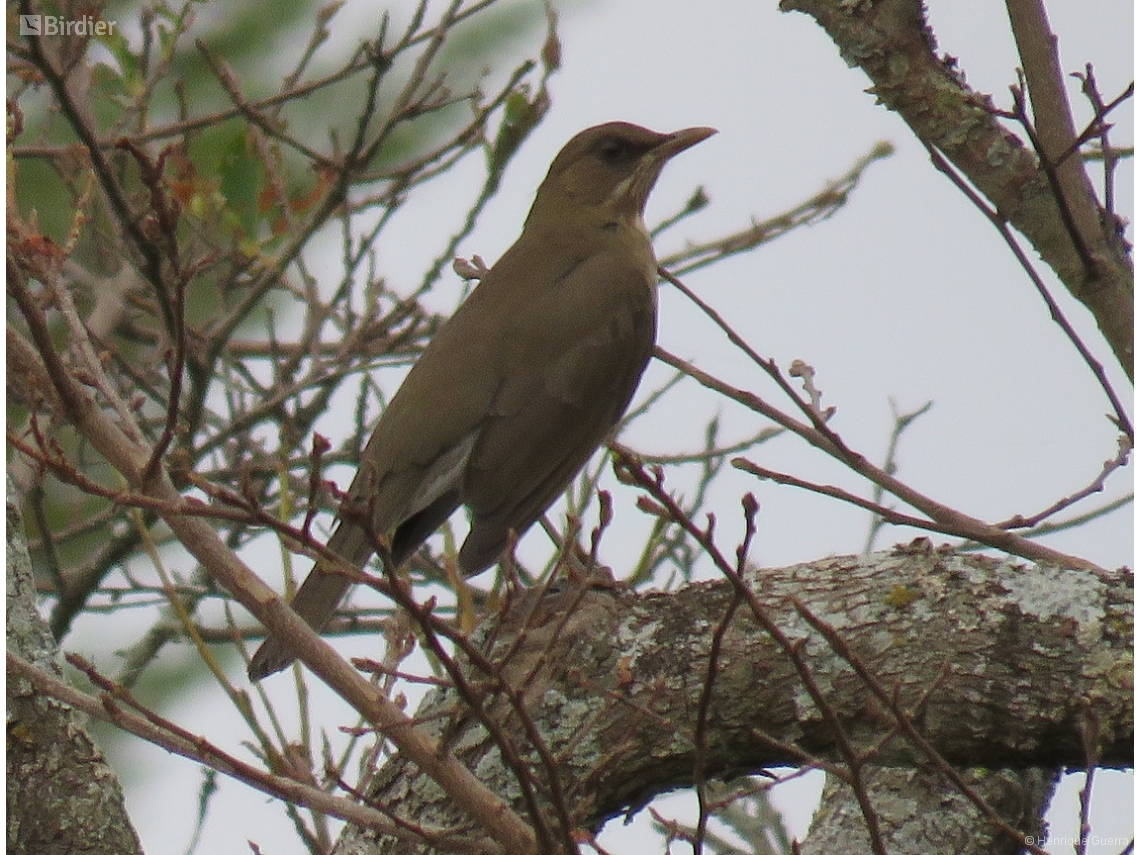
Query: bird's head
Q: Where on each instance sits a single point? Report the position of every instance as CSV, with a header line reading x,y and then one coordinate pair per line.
x,y
611,168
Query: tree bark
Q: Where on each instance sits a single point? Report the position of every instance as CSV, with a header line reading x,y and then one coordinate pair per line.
x,y
63,798
919,812
995,664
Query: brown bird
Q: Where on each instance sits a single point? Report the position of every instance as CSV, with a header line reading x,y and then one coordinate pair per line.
x,y
526,379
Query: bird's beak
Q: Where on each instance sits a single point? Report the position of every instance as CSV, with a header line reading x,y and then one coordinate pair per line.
x,y
678,141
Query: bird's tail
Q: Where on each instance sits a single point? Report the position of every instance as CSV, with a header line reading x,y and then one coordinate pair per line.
x,y
317,598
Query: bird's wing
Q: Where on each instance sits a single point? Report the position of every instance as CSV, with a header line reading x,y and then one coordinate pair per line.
x,y
548,416
420,445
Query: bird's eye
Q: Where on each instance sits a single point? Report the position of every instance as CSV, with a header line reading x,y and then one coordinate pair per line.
x,y
613,150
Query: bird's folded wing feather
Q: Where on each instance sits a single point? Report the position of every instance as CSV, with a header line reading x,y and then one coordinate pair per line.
x,y
550,414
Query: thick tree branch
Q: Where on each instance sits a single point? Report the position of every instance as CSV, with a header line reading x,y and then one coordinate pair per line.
x,y
918,811
62,796
998,665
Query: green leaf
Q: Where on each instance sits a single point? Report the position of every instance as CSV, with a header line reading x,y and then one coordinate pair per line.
x,y
242,176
